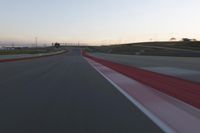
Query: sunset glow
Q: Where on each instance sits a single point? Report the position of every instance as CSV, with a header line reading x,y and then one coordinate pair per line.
x,y
98,21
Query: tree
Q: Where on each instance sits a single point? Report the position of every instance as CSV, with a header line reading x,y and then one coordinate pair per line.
x,y
57,45
194,40
186,40
172,39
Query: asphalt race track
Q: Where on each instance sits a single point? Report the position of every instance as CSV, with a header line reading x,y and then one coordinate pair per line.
x,y
64,94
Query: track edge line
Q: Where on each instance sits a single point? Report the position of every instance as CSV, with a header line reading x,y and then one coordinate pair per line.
x,y
150,115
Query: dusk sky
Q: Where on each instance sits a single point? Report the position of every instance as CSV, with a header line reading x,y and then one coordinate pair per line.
x,y
98,21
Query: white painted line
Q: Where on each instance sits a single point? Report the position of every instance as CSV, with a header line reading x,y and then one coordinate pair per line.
x,y
171,115
155,119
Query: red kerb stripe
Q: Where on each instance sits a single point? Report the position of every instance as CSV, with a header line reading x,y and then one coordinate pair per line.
x,y
184,90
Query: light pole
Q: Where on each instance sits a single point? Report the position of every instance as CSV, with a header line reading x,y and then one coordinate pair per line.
x,y
36,41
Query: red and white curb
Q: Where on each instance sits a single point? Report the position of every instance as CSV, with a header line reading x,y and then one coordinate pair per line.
x,y
170,114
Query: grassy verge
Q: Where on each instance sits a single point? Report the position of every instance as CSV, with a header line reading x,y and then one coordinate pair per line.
x,y
151,48
179,45
27,51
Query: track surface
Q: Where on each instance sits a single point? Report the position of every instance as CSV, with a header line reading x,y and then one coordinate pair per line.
x,y
64,94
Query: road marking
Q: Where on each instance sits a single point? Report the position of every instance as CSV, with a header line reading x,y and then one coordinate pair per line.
x,y
184,90
155,119
169,114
